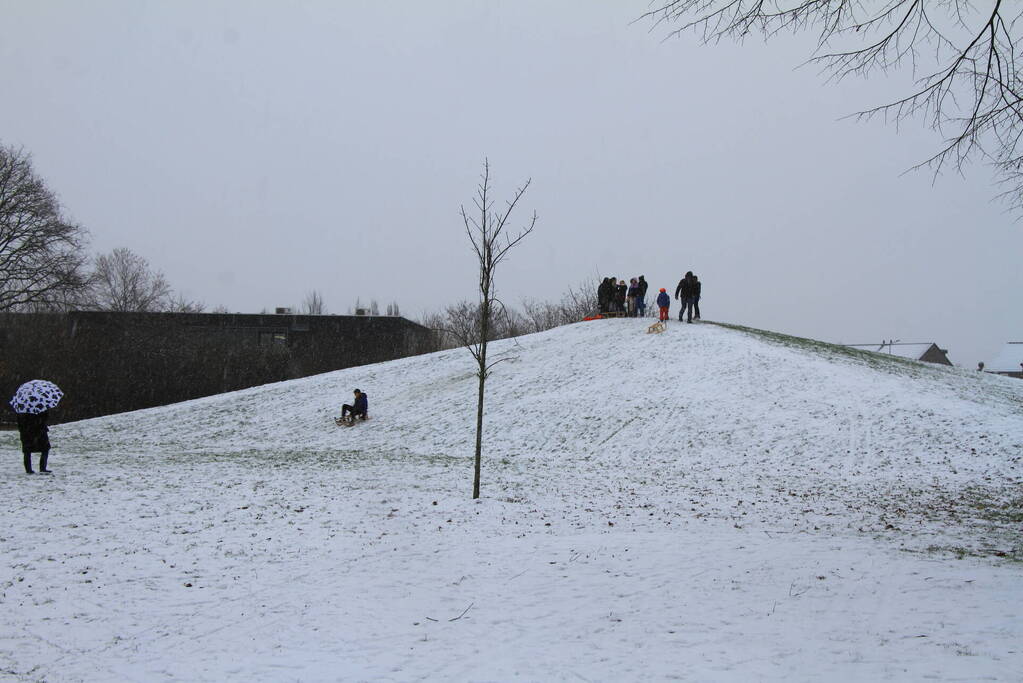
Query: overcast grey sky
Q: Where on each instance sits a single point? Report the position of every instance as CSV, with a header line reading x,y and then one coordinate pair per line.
x,y
257,150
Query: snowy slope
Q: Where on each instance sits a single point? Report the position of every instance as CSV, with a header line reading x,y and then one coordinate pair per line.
x,y
709,503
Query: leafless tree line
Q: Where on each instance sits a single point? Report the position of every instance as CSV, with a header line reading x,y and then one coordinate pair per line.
x,y
456,321
119,281
44,265
964,56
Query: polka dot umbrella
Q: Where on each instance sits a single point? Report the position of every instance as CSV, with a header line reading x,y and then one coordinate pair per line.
x,y
36,396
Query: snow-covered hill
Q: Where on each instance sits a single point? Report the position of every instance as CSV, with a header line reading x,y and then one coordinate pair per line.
x,y
589,409
712,502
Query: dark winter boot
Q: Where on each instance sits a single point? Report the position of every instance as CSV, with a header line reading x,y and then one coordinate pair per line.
x,y
28,463
43,457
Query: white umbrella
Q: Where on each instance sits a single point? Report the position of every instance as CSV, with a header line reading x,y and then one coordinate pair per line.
x,y
35,396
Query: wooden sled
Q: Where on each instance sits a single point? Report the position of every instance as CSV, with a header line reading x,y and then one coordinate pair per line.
x,y
657,327
348,421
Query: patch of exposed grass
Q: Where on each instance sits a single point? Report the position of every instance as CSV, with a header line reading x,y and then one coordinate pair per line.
x,y
1006,510
878,361
960,552
302,458
891,364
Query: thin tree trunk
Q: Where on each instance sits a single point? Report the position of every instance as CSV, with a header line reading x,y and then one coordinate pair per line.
x,y
484,333
479,439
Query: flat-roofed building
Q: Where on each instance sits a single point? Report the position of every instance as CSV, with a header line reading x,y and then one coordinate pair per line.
x,y
1009,361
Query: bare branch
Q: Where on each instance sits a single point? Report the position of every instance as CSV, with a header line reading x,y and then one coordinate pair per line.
x,y
964,55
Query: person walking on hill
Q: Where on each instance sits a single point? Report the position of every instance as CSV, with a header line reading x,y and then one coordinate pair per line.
x,y
633,293
684,293
641,296
697,286
663,302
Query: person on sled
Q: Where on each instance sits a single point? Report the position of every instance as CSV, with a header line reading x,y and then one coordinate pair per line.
x,y
359,409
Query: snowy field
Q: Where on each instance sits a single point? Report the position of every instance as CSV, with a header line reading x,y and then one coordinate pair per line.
x,y
710,504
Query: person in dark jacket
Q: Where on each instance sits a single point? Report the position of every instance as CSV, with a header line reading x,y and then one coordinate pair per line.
x,y
358,410
697,286
621,291
684,293
35,438
605,292
663,302
641,296
633,292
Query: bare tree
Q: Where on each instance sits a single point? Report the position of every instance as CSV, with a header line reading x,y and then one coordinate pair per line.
x,y
459,324
577,303
374,308
42,258
179,303
123,281
486,231
436,323
313,303
964,55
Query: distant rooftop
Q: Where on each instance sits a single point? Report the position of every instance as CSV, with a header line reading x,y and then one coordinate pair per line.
x,y
1008,359
912,351
930,353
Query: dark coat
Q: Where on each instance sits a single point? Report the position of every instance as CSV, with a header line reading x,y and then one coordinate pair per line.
x,y
697,286
361,404
643,284
605,291
35,435
663,300
620,292
684,289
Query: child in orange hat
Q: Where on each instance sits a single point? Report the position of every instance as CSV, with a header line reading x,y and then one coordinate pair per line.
x,y
664,301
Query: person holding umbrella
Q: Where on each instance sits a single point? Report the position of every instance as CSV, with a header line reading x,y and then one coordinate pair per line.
x,y
32,403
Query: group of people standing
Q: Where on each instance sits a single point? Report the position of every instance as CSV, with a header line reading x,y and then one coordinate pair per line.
x,y
624,299
617,298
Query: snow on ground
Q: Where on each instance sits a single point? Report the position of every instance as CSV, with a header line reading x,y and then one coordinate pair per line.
x,y
706,504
